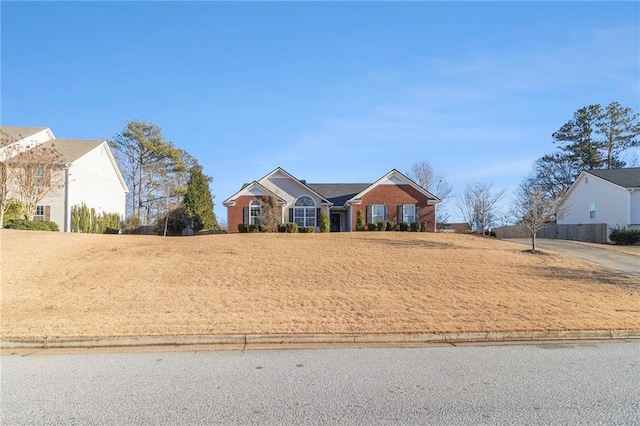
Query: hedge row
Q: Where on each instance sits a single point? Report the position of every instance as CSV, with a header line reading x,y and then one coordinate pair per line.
x,y
288,228
32,225
390,226
625,237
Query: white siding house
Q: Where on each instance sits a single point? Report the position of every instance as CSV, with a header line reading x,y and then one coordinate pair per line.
x,y
603,196
88,170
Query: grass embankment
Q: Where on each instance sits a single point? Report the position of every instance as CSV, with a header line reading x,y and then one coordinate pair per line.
x,y
57,284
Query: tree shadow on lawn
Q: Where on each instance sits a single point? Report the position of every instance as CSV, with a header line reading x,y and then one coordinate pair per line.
x,y
601,276
416,243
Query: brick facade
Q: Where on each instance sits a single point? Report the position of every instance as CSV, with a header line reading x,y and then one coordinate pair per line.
x,y
235,214
393,191
394,196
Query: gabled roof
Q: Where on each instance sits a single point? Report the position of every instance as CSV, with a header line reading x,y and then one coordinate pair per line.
x,y
395,173
338,193
248,186
626,178
623,178
231,199
298,181
72,149
15,133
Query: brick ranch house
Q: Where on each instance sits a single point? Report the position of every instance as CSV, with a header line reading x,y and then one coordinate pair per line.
x,y
393,197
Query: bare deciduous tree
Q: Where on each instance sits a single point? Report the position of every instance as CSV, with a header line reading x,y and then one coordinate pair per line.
x,y
28,173
271,212
478,205
425,175
534,208
8,150
38,173
554,173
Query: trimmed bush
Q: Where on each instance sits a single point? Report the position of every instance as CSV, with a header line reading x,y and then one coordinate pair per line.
x,y
291,227
415,227
324,221
307,230
14,210
625,237
253,228
360,221
243,228
32,225
382,226
423,226
390,225
282,228
371,226
404,226
263,228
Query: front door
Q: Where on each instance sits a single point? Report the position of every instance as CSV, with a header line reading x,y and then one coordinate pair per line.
x,y
334,222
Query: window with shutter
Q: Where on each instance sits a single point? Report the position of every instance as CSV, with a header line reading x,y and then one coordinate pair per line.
x,y
39,213
409,213
255,212
377,213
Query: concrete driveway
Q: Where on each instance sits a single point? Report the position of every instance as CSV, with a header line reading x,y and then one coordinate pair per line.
x,y
621,262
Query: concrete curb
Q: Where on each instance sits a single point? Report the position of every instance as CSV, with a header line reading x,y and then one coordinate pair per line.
x,y
245,340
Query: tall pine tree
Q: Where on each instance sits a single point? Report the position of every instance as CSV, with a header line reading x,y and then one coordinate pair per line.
x,y
198,200
596,138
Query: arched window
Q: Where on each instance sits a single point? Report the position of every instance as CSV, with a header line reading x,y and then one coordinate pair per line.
x,y
255,212
304,211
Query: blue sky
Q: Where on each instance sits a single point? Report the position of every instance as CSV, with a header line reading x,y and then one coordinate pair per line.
x,y
332,92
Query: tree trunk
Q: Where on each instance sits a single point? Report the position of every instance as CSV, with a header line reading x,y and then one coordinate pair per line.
x,y
533,241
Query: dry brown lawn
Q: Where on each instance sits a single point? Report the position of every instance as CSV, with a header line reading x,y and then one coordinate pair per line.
x,y
57,284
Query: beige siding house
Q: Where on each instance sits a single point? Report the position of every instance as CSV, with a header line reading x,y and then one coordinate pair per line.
x,y
88,170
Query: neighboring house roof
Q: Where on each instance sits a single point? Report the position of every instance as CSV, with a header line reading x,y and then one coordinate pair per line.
x,y
338,193
69,149
626,178
16,133
72,149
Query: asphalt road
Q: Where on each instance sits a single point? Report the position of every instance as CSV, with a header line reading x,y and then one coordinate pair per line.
x,y
524,384
621,262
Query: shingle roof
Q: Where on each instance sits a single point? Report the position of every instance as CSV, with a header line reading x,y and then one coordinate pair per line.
x,y
626,178
338,193
15,133
72,149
